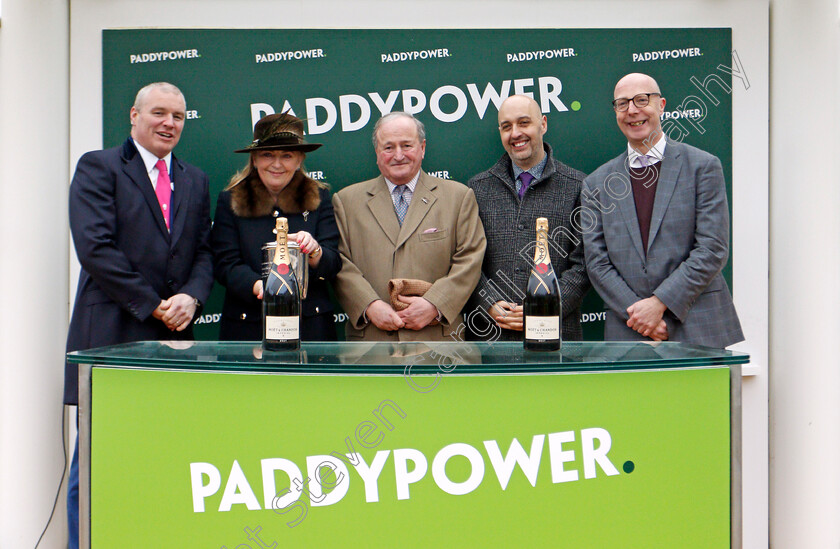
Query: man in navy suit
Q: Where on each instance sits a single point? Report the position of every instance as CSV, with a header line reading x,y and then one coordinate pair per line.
x,y
656,231
140,220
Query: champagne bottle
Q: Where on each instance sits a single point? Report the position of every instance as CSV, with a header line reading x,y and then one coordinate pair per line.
x,y
542,307
281,298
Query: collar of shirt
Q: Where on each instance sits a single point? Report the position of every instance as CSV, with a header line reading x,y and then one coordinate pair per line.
x,y
655,154
149,160
411,184
536,171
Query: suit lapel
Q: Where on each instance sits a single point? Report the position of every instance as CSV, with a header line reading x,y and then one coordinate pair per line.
x,y
181,197
668,175
421,202
627,207
135,169
382,208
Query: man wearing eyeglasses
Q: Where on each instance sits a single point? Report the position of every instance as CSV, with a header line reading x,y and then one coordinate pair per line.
x,y
656,231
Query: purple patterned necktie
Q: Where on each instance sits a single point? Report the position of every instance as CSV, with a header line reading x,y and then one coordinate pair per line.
x,y
526,179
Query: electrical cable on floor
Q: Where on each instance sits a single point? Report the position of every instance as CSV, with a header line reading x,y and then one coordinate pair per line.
x,y
61,481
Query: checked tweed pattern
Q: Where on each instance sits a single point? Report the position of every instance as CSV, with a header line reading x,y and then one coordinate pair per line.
x,y
509,225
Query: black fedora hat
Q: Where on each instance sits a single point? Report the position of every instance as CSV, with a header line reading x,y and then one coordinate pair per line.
x,y
279,132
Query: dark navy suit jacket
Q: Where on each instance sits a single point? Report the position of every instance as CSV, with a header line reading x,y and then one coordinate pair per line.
x,y
130,261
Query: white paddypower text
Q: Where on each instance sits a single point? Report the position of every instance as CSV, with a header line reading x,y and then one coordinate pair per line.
x,y
447,103
410,467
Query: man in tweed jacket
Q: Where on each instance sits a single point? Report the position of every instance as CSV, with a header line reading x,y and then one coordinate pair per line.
x,y
657,231
438,239
509,213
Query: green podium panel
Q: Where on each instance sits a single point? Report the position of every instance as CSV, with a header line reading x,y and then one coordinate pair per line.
x,y
411,445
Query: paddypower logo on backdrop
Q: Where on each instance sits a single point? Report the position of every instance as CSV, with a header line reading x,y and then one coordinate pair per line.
x,y
448,103
410,466
397,56
297,55
666,54
540,55
677,114
163,56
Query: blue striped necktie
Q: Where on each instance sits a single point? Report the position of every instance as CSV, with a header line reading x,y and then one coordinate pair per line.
x,y
400,205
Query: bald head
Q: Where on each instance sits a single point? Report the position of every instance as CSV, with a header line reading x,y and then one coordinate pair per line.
x,y
636,79
520,103
521,127
640,125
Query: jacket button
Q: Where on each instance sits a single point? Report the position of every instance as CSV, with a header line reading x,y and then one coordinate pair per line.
x,y
242,316
317,309
275,213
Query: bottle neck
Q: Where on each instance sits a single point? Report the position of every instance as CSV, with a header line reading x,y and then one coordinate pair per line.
x,y
281,252
541,251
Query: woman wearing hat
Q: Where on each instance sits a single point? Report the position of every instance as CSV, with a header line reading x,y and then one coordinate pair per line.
x,y
273,184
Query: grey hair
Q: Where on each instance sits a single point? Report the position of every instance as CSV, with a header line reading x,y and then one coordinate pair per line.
x,y
421,129
166,87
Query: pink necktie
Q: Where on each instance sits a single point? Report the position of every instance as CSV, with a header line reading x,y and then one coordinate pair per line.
x,y
163,190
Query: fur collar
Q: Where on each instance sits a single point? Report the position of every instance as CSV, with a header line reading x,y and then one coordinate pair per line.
x,y
251,199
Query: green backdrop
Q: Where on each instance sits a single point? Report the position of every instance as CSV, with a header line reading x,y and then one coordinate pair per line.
x,y
231,76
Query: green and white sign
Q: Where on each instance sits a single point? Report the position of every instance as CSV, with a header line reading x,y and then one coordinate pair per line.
x,y
239,460
341,81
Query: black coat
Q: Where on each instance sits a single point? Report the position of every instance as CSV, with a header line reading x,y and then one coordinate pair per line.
x,y
244,223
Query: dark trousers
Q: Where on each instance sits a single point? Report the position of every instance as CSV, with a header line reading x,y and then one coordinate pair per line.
x,y
73,499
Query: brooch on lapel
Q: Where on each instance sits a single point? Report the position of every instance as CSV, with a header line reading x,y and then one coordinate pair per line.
x,y
305,215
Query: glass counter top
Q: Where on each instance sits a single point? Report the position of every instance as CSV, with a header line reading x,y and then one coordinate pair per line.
x,y
393,358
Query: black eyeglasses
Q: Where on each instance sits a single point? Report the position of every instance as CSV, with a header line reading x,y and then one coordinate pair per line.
x,y
642,100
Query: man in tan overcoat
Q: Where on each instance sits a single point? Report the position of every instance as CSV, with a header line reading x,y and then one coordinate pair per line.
x,y
406,224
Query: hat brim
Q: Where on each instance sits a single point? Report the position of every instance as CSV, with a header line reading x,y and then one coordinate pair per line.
x,y
302,147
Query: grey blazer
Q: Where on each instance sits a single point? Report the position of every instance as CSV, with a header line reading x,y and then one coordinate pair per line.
x,y
688,245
